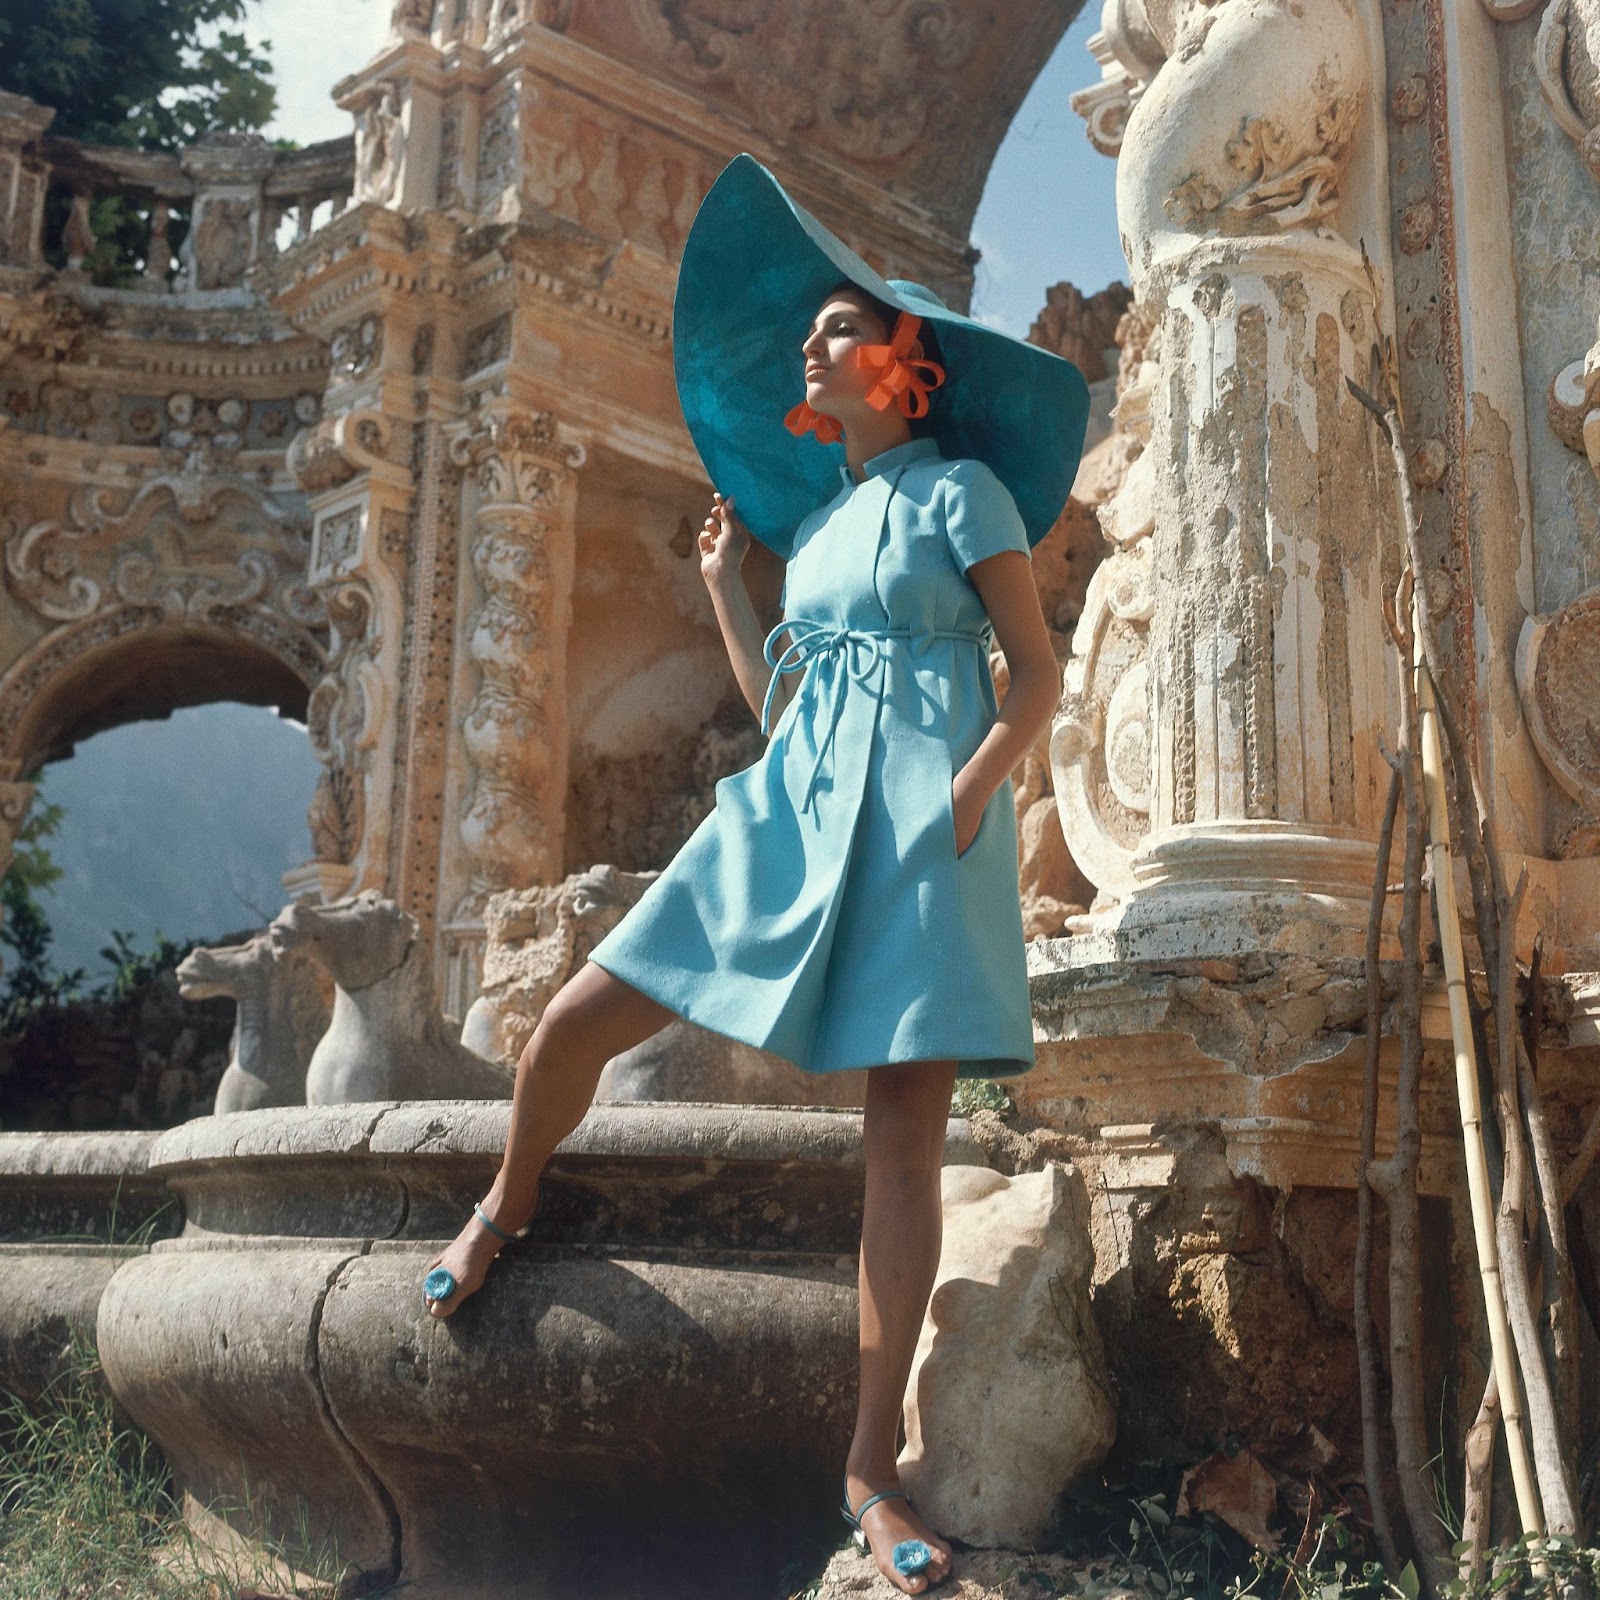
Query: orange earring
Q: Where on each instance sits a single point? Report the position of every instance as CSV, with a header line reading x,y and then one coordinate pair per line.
x,y
803,420
905,376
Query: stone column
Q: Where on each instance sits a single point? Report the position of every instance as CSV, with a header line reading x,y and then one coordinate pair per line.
x,y
23,181
1242,202
513,734
360,497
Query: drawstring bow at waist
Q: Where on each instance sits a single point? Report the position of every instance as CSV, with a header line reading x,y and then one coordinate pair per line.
x,y
862,651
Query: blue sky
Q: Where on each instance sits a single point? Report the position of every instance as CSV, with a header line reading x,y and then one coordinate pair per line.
x,y
1048,212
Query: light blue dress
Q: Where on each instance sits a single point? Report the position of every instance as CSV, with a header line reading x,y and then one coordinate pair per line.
x,y
821,911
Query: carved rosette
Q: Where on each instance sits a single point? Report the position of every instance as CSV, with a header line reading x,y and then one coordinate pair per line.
x,y
515,733
1558,674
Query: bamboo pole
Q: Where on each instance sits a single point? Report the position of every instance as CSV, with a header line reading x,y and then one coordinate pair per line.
x,y
1482,1206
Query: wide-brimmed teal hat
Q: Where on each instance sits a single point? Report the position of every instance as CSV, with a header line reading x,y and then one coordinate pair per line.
x,y
755,269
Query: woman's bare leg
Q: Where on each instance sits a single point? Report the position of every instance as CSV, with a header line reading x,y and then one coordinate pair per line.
x,y
593,1018
908,1106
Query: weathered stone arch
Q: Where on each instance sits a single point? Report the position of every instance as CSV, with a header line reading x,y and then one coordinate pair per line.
x,y
131,663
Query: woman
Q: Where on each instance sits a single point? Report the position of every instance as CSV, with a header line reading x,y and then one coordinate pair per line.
x,y
852,900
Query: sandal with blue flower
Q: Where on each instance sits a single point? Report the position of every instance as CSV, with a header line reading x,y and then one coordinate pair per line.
x,y
911,1557
440,1283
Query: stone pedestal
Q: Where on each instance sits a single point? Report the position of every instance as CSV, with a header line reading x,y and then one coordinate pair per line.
x,y
670,1354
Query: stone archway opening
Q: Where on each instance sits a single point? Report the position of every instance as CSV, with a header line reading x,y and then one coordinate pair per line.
x,y
147,680
180,759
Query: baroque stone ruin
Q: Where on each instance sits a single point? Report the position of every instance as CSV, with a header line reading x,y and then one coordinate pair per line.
x,y
389,442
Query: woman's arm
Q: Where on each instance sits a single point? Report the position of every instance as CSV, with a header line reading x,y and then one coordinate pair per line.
x,y
1005,584
725,544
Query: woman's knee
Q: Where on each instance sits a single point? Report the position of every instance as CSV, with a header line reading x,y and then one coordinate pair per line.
x,y
560,1030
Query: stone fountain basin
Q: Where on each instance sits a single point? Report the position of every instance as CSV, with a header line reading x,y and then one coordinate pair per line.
x,y
652,1393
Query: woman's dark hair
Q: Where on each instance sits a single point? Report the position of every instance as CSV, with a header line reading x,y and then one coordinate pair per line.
x,y
886,314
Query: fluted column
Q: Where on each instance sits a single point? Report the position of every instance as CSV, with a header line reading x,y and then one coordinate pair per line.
x,y
1237,195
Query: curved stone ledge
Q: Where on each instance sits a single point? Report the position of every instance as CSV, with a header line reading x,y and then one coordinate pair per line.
x,y
659,1380
655,1177
53,1294
79,1187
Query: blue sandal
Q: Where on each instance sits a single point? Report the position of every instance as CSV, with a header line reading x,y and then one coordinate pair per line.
x,y
911,1556
440,1283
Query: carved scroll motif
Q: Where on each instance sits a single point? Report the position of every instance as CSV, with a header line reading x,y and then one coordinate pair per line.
x,y
1129,56
174,547
337,448
1566,56
1558,675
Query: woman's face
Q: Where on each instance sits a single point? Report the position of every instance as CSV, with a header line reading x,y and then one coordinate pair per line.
x,y
835,385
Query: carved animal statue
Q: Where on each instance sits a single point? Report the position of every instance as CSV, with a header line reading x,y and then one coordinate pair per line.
x,y
283,1005
387,1039
537,938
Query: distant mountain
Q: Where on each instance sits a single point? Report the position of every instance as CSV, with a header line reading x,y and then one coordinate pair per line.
x,y
183,827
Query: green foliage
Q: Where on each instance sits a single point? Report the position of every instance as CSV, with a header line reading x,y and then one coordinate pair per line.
x,y
1336,1567
1534,1568
131,967
1189,1558
151,73
978,1094
31,983
83,1499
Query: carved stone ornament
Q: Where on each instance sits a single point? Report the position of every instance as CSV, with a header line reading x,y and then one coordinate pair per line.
x,y
1566,55
337,448
188,546
355,349
342,723
1574,406
411,16
1101,748
521,555
1558,674
381,144
1128,55
875,62
514,457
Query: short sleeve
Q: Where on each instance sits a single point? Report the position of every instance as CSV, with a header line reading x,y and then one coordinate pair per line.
x,y
980,517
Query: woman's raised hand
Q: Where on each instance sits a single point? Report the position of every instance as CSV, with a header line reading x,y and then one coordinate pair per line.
x,y
724,542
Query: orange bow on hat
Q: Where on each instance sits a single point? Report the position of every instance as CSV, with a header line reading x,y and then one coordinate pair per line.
x,y
906,377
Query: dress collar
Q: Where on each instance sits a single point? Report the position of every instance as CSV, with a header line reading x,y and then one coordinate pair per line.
x,y
902,455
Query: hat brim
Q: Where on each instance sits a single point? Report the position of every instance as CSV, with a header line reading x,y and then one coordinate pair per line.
x,y
755,269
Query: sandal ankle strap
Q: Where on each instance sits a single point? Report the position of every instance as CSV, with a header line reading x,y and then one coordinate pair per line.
x,y
494,1228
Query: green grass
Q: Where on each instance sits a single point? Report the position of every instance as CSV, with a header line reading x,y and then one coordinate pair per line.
x,y
84,1502
87,1510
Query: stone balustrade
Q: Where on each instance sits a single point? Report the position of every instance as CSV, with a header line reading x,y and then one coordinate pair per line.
x,y
195,220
